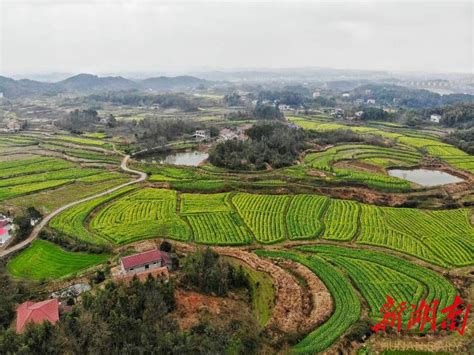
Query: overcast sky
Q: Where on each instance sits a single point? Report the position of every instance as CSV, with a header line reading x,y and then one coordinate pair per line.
x,y
105,36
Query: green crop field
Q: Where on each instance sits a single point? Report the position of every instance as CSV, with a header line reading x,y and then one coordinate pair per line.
x,y
148,213
44,260
347,307
72,221
212,219
264,214
31,166
304,216
341,220
378,274
442,237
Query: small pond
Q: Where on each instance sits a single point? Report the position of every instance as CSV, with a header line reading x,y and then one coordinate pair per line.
x,y
178,158
425,177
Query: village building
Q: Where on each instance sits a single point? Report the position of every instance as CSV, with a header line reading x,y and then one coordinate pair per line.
x,y
14,126
370,102
346,94
71,291
316,94
435,118
36,313
202,134
284,107
147,260
358,114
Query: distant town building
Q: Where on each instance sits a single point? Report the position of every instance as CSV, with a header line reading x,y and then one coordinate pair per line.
x,y
1,95
202,134
316,94
36,313
368,91
346,94
370,102
14,126
284,107
359,114
435,118
147,260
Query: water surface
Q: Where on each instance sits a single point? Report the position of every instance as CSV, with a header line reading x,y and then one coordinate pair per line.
x,y
425,177
178,158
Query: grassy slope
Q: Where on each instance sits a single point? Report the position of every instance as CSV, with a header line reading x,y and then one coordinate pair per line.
x,y
44,260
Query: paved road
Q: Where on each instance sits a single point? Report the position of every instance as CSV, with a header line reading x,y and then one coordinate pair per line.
x,y
46,219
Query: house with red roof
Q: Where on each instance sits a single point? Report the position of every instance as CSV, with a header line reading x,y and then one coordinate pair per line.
x,y
36,313
147,260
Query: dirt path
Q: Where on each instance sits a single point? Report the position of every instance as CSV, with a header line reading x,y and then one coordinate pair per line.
x,y
46,219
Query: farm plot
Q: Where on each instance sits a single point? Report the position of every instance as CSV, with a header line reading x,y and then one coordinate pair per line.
x,y
45,260
71,173
347,306
374,230
213,220
341,220
31,166
72,221
264,215
304,217
378,274
148,213
448,234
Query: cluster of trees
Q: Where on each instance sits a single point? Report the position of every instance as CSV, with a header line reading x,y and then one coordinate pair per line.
x,y
121,319
233,99
168,100
266,112
375,114
79,120
463,139
23,223
294,96
394,95
154,133
207,272
461,115
275,145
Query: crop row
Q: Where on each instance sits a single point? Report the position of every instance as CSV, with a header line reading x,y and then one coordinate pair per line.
x,y
377,274
72,221
347,306
143,214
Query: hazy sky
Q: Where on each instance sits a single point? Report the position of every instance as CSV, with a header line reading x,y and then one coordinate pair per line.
x,y
105,36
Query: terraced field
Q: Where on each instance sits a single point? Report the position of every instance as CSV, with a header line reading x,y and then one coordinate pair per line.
x,y
148,213
264,214
420,233
304,216
72,221
44,260
341,220
347,306
213,220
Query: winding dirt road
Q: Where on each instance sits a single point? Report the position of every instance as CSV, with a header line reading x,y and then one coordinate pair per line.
x,y
47,218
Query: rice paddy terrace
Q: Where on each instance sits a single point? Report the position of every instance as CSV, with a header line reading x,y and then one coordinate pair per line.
x,y
360,251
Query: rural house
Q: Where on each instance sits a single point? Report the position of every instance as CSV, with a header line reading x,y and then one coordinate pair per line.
x,y
435,118
147,260
37,313
202,134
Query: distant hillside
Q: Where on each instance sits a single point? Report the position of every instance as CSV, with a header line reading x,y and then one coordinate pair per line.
x,y
87,83
174,83
17,88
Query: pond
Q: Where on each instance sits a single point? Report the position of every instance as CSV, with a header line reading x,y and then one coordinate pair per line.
x,y
193,158
425,177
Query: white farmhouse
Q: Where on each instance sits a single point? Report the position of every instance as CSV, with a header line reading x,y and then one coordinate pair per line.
x,y
435,118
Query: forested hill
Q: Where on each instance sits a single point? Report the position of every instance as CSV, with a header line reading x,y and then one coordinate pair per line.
x,y
88,83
